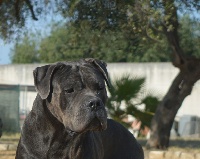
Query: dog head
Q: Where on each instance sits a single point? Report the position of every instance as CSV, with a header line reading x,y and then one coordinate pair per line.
x,y
75,93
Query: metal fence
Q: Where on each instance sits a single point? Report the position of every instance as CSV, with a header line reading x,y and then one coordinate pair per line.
x,y
9,107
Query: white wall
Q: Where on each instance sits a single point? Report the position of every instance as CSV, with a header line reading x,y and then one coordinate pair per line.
x,y
158,79
17,74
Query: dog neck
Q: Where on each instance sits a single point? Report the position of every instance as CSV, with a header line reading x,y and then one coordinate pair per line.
x,y
87,145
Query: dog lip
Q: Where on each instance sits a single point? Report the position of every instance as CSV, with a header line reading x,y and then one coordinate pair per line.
x,y
103,125
100,124
103,122
102,117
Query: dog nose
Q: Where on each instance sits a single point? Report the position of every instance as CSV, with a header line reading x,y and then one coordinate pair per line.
x,y
94,104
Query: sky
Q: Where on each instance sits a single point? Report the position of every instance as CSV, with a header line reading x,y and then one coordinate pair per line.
x,y
5,48
41,25
4,52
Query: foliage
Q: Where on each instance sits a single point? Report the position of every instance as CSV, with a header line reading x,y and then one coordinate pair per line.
x,y
157,21
113,31
126,97
25,51
129,15
150,51
190,36
159,51
69,43
14,16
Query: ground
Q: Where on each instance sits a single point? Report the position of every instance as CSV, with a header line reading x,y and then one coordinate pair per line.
x,y
8,139
7,154
184,145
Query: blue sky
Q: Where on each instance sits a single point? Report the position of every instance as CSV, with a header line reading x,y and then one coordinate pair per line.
x,y
42,25
4,52
5,48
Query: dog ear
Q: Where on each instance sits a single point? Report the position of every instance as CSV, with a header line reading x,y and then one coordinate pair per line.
x,y
42,79
101,65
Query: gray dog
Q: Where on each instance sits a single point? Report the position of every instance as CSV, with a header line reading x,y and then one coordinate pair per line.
x,y
69,120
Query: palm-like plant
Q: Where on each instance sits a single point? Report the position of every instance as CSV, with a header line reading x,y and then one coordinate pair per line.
x,y
126,98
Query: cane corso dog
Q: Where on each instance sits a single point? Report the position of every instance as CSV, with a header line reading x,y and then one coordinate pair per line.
x,y
69,120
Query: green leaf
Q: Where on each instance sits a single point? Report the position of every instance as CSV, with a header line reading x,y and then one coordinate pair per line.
x,y
151,103
127,88
121,102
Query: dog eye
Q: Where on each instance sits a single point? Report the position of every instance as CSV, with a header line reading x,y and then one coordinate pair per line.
x,y
71,90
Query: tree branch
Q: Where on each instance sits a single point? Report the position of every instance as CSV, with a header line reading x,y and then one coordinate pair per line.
x,y
17,10
149,26
170,28
31,9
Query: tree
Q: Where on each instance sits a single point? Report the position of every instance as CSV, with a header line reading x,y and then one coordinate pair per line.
x,y
68,43
126,96
190,36
25,51
13,16
150,18
181,86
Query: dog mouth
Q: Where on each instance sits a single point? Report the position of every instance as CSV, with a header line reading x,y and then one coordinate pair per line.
x,y
97,124
97,121
93,121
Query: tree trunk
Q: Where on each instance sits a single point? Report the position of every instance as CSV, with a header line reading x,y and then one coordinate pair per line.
x,y
167,109
181,86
